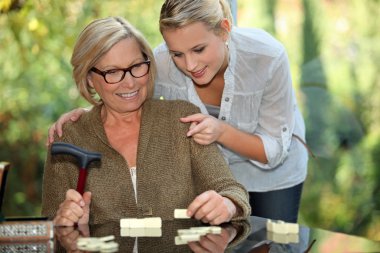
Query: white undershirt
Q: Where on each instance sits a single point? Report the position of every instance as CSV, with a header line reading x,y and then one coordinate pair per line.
x,y
132,170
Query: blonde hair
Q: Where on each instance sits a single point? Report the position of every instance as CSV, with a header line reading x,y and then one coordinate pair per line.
x,y
97,39
178,13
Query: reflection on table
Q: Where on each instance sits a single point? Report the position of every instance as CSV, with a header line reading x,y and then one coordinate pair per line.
x,y
155,240
243,237
311,240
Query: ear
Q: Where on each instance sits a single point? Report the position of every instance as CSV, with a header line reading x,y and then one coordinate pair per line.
x,y
89,80
225,25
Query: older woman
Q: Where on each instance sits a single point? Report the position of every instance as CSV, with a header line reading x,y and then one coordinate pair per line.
x,y
149,167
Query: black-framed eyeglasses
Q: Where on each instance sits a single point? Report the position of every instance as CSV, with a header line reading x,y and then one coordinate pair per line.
x,y
117,75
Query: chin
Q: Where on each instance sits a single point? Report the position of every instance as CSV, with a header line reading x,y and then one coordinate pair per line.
x,y
202,81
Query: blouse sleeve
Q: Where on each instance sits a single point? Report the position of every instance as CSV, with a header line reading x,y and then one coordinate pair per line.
x,y
277,113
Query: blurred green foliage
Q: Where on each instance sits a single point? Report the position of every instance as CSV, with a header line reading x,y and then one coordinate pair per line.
x,y
334,50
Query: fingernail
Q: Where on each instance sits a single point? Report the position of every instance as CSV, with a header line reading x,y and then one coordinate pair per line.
x,y
81,203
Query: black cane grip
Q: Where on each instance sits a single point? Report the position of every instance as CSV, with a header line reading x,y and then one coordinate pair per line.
x,y
84,157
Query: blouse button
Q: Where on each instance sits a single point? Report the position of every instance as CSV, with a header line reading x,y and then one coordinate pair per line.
x,y
284,129
227,99
223,118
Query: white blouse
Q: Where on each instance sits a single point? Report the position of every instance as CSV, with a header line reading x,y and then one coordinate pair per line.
x,y
258,98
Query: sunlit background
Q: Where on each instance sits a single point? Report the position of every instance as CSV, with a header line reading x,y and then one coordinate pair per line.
x,y
334,50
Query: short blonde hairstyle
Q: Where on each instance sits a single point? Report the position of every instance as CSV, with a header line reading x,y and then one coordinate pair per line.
x,y
179,13
97,39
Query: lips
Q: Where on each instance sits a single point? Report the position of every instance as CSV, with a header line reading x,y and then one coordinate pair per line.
x,y
128,95
198,74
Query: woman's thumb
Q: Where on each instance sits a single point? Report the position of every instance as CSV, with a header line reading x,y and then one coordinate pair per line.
x,y
87,198
86,209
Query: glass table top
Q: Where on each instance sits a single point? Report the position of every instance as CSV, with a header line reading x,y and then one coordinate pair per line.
x,y
249,236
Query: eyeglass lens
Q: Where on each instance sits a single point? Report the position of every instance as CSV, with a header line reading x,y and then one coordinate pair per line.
x,y
117,75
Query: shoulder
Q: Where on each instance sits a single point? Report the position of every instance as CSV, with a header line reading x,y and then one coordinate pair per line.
x,y
256,41
160,48
161,51
176,107
167,72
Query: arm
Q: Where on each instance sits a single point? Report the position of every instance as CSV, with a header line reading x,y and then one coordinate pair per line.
x,y
207,129
66,207
222,198
277,112
269,144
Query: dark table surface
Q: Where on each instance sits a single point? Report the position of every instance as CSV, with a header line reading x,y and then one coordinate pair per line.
x,y
245,237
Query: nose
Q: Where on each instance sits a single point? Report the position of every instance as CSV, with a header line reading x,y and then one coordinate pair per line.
x,y
191,63
128,81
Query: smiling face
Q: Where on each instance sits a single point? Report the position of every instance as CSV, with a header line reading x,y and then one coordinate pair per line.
x,y
197,51
129,94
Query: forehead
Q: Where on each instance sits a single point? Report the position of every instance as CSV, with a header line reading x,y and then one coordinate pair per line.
x,y
189,36
123,52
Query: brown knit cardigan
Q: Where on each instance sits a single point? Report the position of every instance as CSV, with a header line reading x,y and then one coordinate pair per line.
x,y
172,169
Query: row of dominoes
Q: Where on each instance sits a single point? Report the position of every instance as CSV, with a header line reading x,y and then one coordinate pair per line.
x,y
151,222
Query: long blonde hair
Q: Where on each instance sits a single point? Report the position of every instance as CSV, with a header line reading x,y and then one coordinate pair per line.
x,y
97,39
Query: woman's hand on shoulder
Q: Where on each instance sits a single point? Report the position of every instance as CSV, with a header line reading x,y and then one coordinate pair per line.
x,y
204,129
73,115
211,207
75,209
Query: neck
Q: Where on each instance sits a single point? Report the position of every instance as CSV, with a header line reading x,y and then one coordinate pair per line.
x,y
112,118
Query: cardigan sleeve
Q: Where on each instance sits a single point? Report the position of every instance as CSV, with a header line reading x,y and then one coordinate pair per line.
x,y
211,172
60,173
